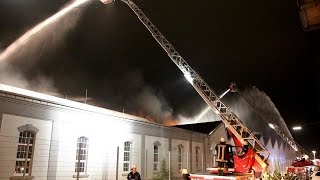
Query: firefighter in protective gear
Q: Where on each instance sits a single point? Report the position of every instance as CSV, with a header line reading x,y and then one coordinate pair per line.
x,y
224,156
185,174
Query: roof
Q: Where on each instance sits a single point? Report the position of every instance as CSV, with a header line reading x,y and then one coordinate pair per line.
x,y
205,128
40,98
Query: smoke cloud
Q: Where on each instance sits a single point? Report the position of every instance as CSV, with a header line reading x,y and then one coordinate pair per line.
x,y
11,75
130,92
152,105
253,107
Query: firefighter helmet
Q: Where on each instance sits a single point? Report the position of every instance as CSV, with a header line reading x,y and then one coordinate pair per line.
x,y
184,171
222,139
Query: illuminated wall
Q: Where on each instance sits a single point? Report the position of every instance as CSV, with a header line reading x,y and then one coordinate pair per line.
x,y
113,140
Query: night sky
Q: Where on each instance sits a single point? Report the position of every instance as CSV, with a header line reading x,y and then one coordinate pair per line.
x,y
109,52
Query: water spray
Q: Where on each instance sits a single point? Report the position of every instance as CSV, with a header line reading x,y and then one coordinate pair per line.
x,y
205,111
25,38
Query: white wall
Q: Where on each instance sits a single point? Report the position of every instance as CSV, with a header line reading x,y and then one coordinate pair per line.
x,y
105,134
200,157
163,153
9,137
185,156
56,144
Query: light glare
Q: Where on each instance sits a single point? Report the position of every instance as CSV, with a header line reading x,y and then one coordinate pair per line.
x,y
187,75
297,128
272,126
106,1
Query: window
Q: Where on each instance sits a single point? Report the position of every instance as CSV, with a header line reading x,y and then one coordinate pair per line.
x,y
82,156
155,158
197,157
25,153
180,147
126,155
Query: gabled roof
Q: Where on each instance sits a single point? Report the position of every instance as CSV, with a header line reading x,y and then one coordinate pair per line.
x,y
205,128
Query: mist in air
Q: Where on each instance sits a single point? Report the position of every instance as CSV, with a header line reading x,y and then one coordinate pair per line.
x,y
28,49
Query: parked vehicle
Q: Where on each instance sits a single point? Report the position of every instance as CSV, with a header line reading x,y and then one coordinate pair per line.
x,y
316,173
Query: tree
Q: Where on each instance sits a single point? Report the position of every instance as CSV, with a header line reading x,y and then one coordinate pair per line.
x,y
163,173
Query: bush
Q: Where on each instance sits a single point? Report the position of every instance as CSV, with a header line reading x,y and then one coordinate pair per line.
x,y
163,173
277,176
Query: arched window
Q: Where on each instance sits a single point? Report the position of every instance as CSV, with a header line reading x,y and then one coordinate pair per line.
x,y
180,149
126,156
197,157
25,150
156,146
82,155
25,153
155,158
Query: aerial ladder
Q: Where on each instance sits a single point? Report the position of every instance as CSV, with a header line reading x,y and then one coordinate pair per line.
x,y
230,120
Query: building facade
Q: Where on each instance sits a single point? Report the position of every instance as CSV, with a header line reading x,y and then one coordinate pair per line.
x,y
45,137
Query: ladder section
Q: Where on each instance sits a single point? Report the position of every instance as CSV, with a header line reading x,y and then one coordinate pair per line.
x,y
231,121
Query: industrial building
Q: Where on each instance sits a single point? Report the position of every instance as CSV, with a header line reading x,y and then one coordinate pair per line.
x,y
46,137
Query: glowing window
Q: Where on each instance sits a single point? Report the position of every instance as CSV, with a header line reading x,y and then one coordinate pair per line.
x,y
126,155
82,155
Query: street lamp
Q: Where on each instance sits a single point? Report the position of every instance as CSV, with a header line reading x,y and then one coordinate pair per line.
x,y
314,154
297,128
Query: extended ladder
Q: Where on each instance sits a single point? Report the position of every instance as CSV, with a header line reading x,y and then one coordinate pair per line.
x,y
231,121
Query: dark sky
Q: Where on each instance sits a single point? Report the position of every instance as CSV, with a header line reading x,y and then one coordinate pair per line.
x,y
110,53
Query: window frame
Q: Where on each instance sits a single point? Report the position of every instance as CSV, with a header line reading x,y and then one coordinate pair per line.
x,y
197,155
155,158
83,154
180,157
127,150
26,128
24,143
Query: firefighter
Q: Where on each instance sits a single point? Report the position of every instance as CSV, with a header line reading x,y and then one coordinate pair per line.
x,y
134,175
185,174
224,156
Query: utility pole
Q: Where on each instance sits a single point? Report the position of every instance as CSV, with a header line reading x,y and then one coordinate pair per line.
x,y
85,101
158,113
78,165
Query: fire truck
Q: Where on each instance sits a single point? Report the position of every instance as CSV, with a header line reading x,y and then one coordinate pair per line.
x,y
301,167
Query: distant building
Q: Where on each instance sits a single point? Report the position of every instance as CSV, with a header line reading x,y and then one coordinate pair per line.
x,y
45,137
